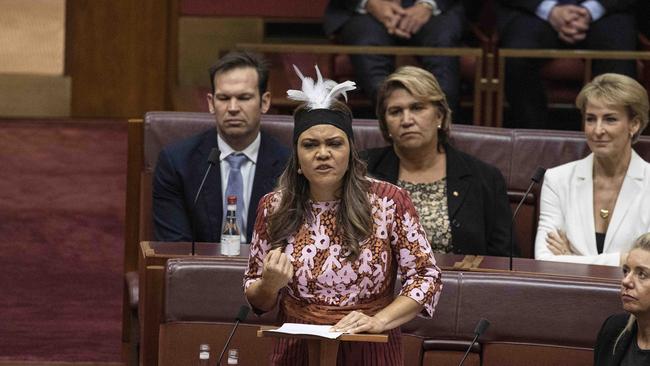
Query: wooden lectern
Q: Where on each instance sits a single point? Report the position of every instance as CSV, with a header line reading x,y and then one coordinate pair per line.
x,y
323,351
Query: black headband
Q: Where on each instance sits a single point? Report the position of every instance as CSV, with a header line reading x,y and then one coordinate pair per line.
x,y
306,119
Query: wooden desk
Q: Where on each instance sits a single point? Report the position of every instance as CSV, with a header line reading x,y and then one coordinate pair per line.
x,y
323,351
534,267
153,257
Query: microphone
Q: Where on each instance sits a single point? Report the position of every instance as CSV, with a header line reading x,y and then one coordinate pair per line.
x,y
241,316
482,325
212,160
536,178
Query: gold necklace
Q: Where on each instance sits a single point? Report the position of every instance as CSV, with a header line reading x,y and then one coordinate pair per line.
x,y
604,213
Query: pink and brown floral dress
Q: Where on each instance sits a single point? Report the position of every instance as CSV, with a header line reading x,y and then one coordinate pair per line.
x,y
326,286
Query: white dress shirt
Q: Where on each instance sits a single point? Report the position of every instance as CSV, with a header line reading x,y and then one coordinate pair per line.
x,y
247,172
595,8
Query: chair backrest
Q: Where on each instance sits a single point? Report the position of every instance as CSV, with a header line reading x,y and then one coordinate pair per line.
x,y
206,290
158,129
164,128
516,153
521,308
536,313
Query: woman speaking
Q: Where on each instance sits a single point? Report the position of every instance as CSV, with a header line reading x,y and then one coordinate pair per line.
x,y
329,242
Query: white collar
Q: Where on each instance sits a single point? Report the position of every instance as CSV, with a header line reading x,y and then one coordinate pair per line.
x,y
635,169
251,151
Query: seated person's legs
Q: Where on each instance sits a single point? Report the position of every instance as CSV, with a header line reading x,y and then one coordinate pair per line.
x,y
370,70
613,32
642,16
444,30
523,86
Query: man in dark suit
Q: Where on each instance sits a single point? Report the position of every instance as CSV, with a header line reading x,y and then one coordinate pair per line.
x,y
426,23
557,24
642,16
239,98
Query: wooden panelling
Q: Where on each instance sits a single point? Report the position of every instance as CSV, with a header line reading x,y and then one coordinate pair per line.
x,y
32,95
202,40
116,55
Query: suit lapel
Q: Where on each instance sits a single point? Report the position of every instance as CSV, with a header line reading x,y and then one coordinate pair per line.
x,y
583,188
622,345
457,182
457,174
389,163
211,199
267,164
630,191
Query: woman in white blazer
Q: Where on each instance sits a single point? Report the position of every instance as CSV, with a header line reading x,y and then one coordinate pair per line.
x,y
593,209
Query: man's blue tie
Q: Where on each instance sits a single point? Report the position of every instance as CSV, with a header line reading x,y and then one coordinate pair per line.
x,y
235,187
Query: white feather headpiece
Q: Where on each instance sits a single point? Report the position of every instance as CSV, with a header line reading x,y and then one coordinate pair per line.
x,y
321,93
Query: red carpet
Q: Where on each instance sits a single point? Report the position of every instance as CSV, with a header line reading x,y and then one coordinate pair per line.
x,y
62,193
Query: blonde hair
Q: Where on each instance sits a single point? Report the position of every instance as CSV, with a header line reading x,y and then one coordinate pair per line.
x,y
422,85
618,90
642,242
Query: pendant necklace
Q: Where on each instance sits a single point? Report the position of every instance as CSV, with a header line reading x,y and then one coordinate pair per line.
x,y
604,213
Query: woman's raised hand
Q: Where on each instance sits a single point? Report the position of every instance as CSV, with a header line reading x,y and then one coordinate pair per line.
x,y
277,271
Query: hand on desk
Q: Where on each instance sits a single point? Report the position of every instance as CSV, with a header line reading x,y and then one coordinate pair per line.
x,y
398,312
358,322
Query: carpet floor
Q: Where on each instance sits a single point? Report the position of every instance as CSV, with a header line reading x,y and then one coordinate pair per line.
x,y
62,193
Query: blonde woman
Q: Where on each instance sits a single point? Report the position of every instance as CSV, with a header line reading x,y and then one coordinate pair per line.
x,y
591,210
462,201
624,339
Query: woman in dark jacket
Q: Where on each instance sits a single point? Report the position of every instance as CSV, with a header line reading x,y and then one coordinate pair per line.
x,y
462,201
624,339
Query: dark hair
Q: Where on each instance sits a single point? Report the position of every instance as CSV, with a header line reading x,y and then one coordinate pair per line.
x,y
238,59
354,217
423,86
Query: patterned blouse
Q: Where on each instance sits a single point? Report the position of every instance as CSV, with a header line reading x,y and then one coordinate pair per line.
x,y
322,274
430,201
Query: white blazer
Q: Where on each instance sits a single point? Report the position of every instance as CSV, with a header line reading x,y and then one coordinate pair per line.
x,y
567,203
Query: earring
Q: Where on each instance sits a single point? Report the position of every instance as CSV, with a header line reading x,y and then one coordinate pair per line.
x,y
299,171
439,126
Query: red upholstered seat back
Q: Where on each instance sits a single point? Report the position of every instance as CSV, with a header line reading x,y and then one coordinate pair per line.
x,y
516,153
535,317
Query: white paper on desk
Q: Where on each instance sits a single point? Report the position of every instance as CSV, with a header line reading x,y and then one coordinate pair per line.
x,y
307,329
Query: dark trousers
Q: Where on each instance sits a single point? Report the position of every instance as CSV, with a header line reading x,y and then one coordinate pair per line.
x,y
444,30
523,85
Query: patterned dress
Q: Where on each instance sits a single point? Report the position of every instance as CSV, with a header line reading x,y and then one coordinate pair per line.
x,y
326,286
430,201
